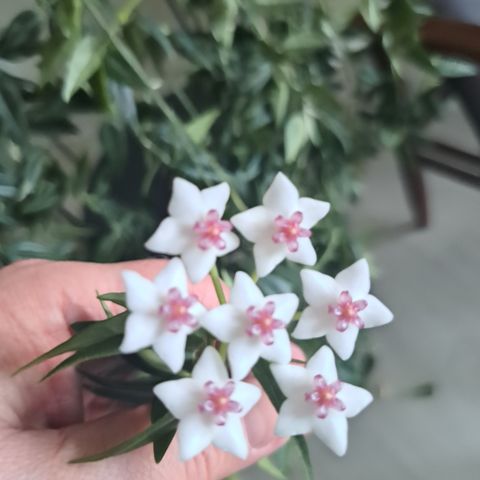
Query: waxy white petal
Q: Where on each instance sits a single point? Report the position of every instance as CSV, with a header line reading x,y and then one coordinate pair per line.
x,y
171,237
333,431
243,354
180,397
343,342
232,242
323,363
268,255
231,438
245,292
210,367
141,294
295,418
313,324
280,351
293,380
224,322
354,398
173,275
140,331
286,305
247,395
355,279
215,198
313,211
318,289
376,314
186,203
198,262
255,223
282,196
170,347
306,254
195,433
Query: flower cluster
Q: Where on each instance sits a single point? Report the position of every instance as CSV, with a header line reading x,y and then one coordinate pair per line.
x,y
211,401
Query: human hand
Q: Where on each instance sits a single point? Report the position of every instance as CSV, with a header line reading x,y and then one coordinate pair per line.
x,y
42,425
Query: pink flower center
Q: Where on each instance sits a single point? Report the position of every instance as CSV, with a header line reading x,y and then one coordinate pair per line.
x,y
209,231
324,396
346,311
289,230
218,403
262,323
176,310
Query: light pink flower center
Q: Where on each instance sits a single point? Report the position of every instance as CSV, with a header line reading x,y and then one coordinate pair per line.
x,y
288,230
262,323
346,311
176,310
209,231
324,396
218,402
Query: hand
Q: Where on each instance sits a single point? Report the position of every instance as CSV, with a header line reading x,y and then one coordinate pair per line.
x,y
42,425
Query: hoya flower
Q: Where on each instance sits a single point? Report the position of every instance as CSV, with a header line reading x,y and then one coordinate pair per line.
x,y
162,314
253,325
194,230
280,228
210,407
317,401
339,307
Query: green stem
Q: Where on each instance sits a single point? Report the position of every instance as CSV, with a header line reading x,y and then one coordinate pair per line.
x,y
217,283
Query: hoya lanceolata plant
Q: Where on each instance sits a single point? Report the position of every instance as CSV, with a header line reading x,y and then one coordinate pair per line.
x,y
192,363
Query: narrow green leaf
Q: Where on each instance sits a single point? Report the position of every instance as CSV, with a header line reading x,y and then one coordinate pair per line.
x,y
199,127
295,137
153,432
161,444
281,102
455,67
115,297
264,375
303,447
269,467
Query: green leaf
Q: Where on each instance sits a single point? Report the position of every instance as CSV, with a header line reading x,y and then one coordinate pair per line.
x,y
455,67
340,13
199,127
269,467
152,433
281,102
85,59
304,41
263,374
22,37
118,298
295,137
91,335
303,447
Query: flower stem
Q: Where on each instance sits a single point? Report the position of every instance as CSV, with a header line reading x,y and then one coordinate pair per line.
x,y
217,283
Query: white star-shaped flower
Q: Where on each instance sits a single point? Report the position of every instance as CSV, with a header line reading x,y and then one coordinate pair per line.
x,y
162,314
210,407
253,325
339,307
280,228
194,230
317,401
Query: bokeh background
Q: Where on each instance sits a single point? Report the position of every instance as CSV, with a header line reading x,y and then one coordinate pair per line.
x,y
373,105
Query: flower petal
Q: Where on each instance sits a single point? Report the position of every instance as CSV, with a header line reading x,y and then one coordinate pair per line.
x,y
141,294
171,237
173,275
170,347
247,395
282,196
255,223
280,350
215,198
243,354
231,438
210,367
186,202
293,380
180,397
313,324
306,254
343,342
318,289
376,313
198,262
268,255
231,243
140,332
195,434
286,305
323,363
245,292
313,211
294,419
355,279
333,431
354,398
223,322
